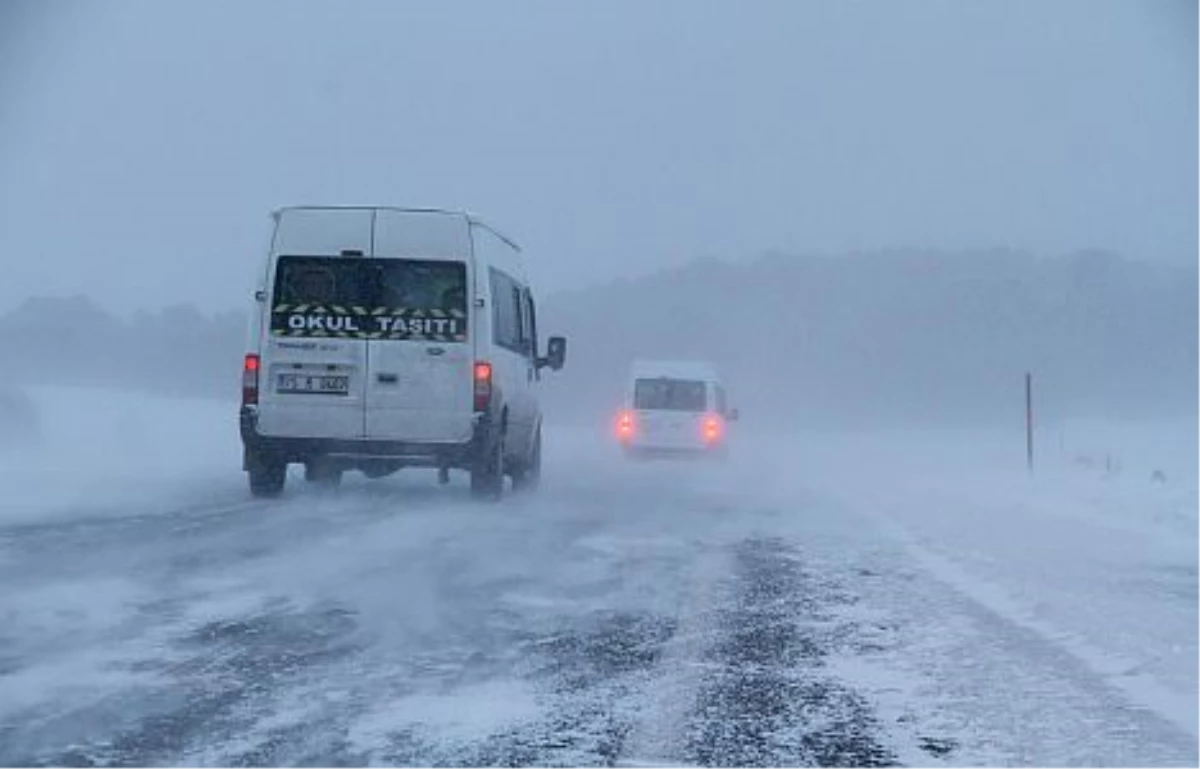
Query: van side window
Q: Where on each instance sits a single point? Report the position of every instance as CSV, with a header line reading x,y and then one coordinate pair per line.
x,y
507,323
531,337
522,320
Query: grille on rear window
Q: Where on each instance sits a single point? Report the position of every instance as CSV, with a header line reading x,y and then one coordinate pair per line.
x,y
384,299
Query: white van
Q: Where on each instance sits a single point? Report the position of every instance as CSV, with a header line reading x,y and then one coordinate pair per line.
x,y
384,338
675,407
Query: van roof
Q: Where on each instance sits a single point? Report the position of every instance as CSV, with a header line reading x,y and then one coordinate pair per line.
x,y
675,369
471,218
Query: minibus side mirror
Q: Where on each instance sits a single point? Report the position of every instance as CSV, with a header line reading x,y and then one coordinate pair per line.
x,y
733,415
556,354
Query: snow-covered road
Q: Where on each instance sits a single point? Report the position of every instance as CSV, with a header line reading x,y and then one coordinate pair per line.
x,y
827,602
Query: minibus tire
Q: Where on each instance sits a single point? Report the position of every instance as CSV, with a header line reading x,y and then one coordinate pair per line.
x,y
529,475
487,475
267,478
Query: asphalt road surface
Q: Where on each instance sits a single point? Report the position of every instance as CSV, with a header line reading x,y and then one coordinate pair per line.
x,y
622,616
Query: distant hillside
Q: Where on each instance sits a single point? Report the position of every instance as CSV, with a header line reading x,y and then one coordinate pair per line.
x,y
898,336
71,340
858,340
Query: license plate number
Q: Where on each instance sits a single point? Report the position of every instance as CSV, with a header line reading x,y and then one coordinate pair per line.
x,y
320,384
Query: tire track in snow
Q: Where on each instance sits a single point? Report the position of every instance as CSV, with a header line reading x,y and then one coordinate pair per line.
x,y
735,677
699,651
765,699
657,737
151,673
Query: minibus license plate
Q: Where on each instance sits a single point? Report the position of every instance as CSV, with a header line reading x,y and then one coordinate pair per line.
x,y
314,383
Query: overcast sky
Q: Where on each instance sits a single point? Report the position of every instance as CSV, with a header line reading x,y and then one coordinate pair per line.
x,y
142,144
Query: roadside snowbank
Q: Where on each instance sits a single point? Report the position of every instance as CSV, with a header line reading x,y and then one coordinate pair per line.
x,y
18,417
1095,552
98,451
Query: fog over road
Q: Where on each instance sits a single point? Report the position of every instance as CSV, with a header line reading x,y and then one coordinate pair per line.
x,y
737,613
909,236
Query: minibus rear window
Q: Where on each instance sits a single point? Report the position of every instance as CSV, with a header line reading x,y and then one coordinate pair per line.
x,y
313,292
664,394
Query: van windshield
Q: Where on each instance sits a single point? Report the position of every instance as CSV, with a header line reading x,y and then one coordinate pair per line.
x,y
665,394
370,298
